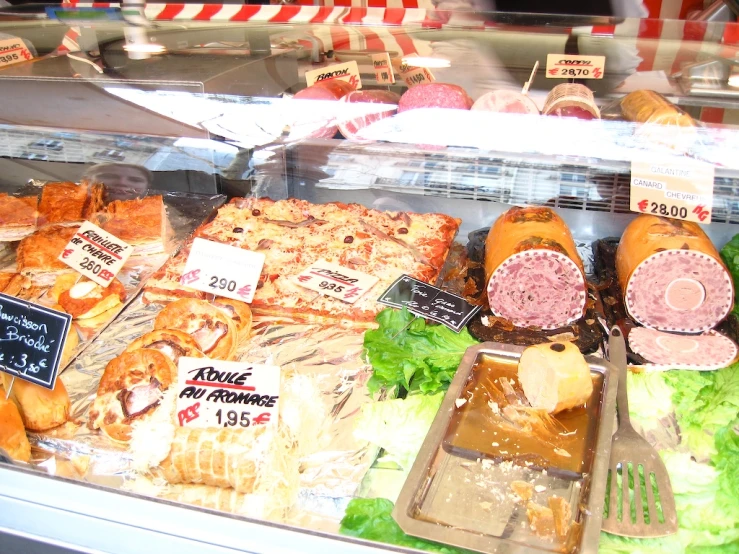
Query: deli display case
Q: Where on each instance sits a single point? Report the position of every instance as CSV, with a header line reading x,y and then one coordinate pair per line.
x,y
325,212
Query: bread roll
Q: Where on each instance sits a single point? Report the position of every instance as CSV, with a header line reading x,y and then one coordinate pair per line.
x,y
534,274
238,311
13,437
555,376
672,277
40,408
173,344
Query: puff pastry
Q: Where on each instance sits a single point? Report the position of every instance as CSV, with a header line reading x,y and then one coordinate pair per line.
x,y
17,217
85,298
142,223
173,344
68,203
37,254
238,311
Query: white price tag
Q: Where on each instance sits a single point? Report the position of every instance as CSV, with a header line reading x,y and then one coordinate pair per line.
x,y
13,50
414,75
335,281
96,254
223,270
573,66
383,68
214,393
348,72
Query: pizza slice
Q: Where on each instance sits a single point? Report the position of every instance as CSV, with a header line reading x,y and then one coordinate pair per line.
x,y
18,217
67,203
141,222
164,285
37,254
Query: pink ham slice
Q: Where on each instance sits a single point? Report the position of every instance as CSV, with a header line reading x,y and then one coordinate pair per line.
x,y
669,351
505,101
350,127
679,290
538,288
435,95
317,125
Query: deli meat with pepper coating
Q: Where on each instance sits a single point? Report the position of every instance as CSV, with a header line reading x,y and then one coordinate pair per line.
x,y
555,376
672,276
533,272
435,95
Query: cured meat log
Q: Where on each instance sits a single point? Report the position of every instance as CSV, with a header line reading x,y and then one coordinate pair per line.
x,y
664,122
672,276
533,272
704,352
571,100
505,101
435,95
350,127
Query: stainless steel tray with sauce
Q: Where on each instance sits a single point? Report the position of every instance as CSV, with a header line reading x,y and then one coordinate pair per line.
x,y
484,474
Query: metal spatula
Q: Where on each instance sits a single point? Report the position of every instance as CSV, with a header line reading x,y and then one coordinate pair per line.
x,y
639,499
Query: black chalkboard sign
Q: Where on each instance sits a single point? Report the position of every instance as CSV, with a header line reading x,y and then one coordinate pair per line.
x,y
429,302
31,340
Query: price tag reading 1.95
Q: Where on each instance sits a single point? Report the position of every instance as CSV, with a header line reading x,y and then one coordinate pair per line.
x,y
336,281
223,270
570,66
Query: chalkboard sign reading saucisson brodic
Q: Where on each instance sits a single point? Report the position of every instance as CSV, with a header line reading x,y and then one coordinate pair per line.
x,y
32,339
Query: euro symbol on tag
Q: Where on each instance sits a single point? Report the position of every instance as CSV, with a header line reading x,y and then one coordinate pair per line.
x,y
244,291
304,278
261,418
66,252
643,205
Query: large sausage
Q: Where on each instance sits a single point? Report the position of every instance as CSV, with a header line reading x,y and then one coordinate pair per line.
x,y
350,127
533,272
672,276
704,352
435,95
316,124
663,122
571,100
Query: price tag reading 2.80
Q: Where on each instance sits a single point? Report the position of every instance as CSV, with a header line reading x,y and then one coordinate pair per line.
x,y
570,66
336,281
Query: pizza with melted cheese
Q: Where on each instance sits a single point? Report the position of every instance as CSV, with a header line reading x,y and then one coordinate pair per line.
x,y
18,217
293,234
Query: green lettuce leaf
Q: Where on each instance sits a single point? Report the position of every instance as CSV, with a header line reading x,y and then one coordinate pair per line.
x,y
399,426
407,352
371,519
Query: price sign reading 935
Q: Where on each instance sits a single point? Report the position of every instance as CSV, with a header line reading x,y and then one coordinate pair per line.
x,y
223,270
336,281
572,66
673,187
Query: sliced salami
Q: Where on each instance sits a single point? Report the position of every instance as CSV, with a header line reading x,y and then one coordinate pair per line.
x,y
672,351
539,288
679,290
435,95
506,101
351,126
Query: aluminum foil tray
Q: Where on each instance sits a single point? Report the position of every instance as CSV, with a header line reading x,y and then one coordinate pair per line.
x,y
465,498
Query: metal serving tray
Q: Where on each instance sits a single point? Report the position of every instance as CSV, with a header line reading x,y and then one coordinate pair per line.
x,y
465,498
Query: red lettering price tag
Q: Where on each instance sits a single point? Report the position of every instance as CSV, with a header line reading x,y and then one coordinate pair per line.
x,y
214,393
572,66
336,281
383,68
414,75
348,72
96,254
13,50
223,270
672,187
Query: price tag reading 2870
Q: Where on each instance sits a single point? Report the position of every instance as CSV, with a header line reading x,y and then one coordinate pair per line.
x,y
223,270
336,281
572,66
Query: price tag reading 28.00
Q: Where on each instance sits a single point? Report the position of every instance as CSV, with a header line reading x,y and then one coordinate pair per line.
x,y
572,66
223,270
336,281
96,254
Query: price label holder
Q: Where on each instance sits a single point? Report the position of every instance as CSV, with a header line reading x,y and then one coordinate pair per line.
x,y
575,66
414,75
336,281
223,270
96,254
348,71
672,187
214,393
429,302
13,50
383,68
32,339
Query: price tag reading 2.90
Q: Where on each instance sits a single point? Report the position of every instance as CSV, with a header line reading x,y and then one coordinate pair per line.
x,y
223,270
336,281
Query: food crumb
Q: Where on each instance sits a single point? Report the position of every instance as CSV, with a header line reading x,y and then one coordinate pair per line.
x,y
485,321
460,402
495,444
494,407
523,490
562,452
486,505
540,488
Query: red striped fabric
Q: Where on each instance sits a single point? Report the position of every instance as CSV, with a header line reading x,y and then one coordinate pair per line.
x,y
394,16
693,34
322,15
245,13
171,11
355,15
208,11
647,42
285,14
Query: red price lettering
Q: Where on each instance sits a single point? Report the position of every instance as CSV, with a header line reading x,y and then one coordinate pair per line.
x,y
597,73
105,274
261,418
190,277
244,291
352,292
67,252
643,205
553,71
304,278
353,81
26,54
701,212
188,414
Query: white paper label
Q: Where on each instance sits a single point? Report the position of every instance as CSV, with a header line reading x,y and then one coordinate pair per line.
x,y
383,68
223,270
96,254
214,393
13,50
348,72
573,66
672,187
336,281
414,75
